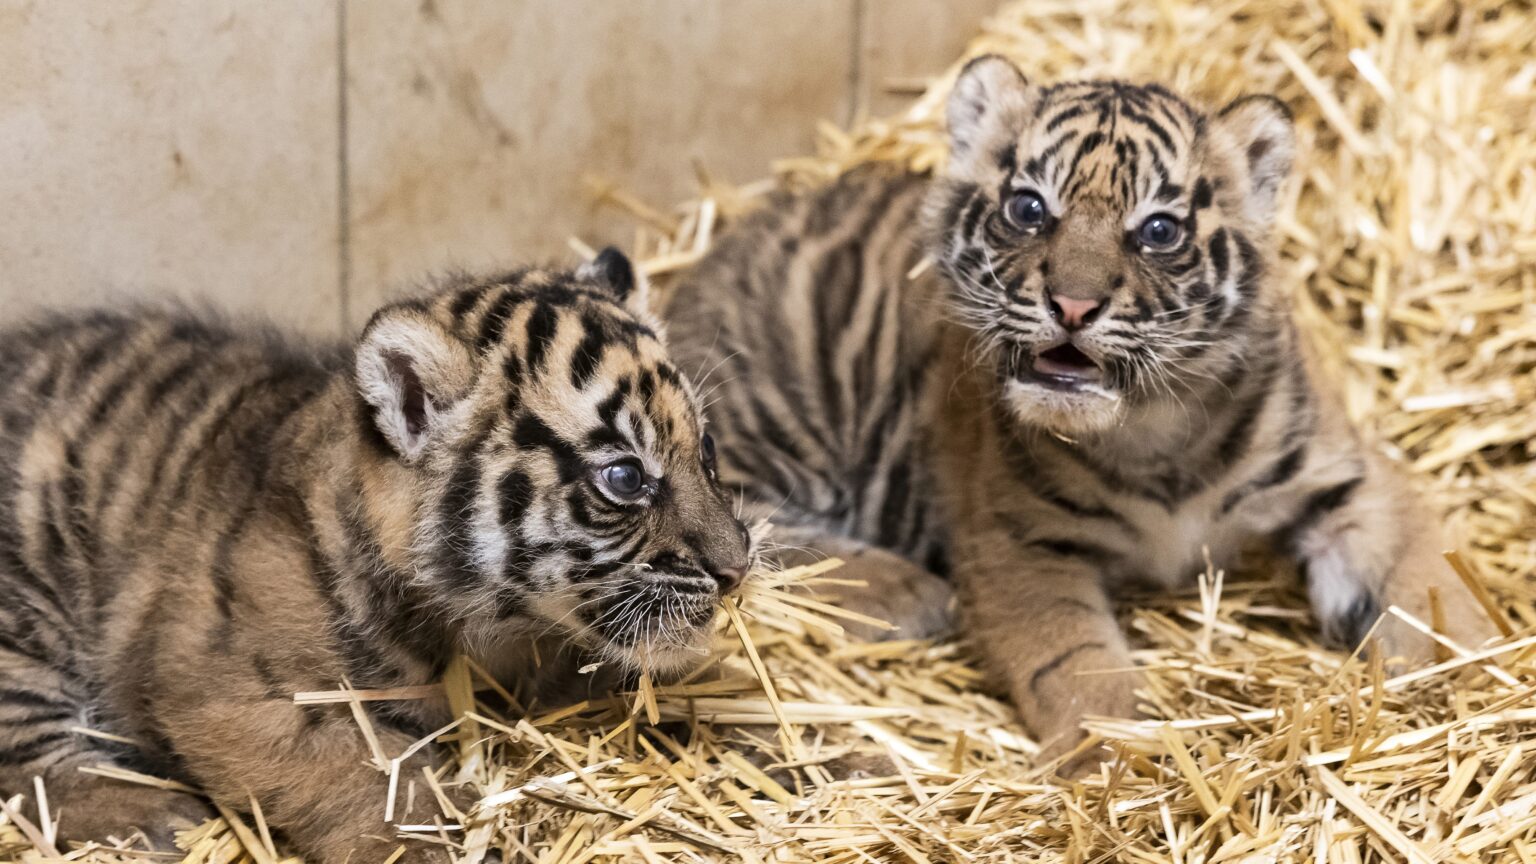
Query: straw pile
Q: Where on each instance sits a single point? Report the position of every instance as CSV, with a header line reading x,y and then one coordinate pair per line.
x,y
1410,244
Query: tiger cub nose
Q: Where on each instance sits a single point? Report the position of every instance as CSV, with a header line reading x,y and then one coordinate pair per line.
x,y
1074,314
728,578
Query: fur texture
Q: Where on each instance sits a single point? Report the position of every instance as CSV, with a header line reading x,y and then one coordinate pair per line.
x,y
1095,383
197,522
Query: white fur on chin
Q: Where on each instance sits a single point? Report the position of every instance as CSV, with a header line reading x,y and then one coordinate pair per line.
x,y
1092,409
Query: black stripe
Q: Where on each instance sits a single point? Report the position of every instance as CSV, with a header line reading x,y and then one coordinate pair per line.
x,y
27,751
12,563
533,433
542,325
589,353
1080,510
22,645
1069,548
1217,249
836,279
157,391
1050,151
456,515
973,213
111,395
1056,662
466,302
773,433
1060,117
1203,194
1280,472
1153,127
57,716
894,507
1253,266
234,401
515,495
30,698
1007,157
608,409
582,513
223,578
495,321
1090,142
1240,431
1077,605
1318,505
87,363
350,640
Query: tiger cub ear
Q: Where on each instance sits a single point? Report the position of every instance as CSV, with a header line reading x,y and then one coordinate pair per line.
x,y
410,371
614,273
1259,127
986,108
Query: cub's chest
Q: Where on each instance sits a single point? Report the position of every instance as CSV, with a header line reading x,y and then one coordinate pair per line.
x,y
1170,545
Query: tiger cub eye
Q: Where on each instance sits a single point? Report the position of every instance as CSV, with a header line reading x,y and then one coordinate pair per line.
x,y
1160,231
624,479
1026,209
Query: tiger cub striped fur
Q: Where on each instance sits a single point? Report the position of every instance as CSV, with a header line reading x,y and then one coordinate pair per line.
x,y
1096,382
197,522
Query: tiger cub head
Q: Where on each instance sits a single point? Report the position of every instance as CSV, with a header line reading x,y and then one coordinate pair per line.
x,y
1106,241
549,467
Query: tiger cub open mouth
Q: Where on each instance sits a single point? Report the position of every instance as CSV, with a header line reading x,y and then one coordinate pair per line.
x,y
1061,367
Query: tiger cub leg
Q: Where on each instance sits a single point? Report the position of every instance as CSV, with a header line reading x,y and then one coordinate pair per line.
x,y
894,590
1366,544
309,769
1047,629
36,715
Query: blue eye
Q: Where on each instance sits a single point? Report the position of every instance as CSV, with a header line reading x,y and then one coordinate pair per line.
x,y
624,479
1160,231
1026,209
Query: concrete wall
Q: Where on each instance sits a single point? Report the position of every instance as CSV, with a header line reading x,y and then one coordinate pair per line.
x,y
305,158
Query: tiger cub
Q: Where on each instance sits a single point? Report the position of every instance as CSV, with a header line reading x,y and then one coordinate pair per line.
x,y
198,522
1098,381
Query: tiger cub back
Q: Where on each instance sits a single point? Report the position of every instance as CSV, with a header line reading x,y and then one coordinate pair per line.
x,y
1095,382
820,351
199,520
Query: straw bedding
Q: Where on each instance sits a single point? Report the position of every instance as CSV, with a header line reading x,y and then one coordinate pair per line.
x,y
1409,242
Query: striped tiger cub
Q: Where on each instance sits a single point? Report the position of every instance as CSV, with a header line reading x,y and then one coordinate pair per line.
x,y
1096,382
197,522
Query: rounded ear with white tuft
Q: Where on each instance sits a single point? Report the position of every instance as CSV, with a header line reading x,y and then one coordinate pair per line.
x,y
613,271
1259,128
986,109
410,370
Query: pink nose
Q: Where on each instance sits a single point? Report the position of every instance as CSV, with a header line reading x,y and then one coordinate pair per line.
x,y
1074,313
729,578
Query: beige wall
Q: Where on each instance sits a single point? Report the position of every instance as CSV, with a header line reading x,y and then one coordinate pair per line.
x,y
205,149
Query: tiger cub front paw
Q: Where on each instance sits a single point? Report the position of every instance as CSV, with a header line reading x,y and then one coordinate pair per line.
x,y
916,603
1057,717
98,812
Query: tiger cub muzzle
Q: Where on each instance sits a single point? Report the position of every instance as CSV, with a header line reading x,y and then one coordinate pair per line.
x,y
656,611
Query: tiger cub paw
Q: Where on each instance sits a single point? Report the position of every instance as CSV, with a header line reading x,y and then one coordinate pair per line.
x,y
1348,611
97,813
1345,608
917,603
